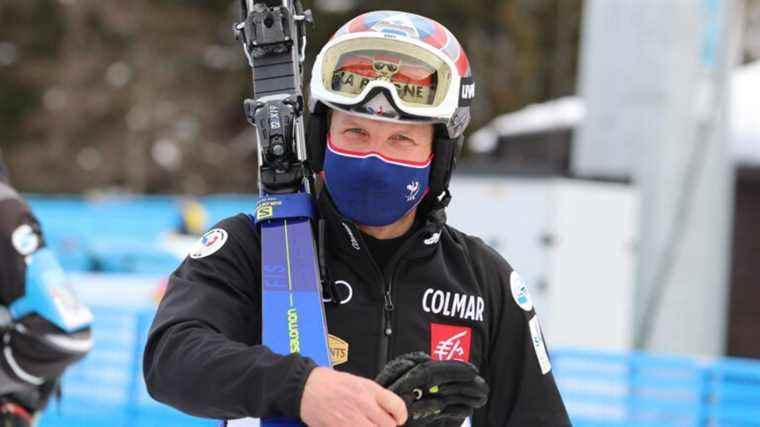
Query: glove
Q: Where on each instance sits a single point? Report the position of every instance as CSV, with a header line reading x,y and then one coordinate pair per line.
x,y
434,391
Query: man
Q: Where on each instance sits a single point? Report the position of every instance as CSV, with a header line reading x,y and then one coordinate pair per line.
x,y
44,328
390,97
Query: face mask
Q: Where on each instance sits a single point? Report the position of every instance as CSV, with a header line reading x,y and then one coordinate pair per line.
x,y
371,189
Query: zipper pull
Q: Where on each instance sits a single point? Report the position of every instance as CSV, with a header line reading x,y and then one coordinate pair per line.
x,y
388,302
388,328
388,309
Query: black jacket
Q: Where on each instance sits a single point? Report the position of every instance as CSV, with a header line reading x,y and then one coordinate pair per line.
x,y
444,293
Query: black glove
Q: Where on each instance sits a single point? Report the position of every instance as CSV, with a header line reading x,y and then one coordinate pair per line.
x,y
434,391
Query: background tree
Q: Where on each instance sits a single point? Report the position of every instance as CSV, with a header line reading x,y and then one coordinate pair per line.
x,y
146,95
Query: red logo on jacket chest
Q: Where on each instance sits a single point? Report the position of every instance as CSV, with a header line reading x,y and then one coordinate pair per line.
x,y
450,342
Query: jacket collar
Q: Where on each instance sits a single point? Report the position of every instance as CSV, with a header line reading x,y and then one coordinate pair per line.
x,y
343,236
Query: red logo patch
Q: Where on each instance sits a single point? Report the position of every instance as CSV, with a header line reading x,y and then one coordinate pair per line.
x,y
449,342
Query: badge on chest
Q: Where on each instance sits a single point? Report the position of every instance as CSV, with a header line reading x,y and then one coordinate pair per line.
x,y
450,342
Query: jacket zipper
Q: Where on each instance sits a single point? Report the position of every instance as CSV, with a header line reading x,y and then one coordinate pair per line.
x,y
385,316
388,307
387,325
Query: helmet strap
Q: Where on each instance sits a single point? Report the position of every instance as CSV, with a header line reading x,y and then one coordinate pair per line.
x,y
444,161
317,126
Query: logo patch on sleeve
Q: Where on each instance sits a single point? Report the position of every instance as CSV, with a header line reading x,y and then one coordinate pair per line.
x,y
25,240
211,242
520,292
538,345
338,350
450,342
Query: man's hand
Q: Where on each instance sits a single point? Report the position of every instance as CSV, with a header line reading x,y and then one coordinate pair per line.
x,y
336,399
435,391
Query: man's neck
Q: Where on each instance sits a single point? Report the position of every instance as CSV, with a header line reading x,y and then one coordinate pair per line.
x,y
390,231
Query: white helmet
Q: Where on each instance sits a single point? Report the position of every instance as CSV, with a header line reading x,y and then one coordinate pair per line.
x,y
395,66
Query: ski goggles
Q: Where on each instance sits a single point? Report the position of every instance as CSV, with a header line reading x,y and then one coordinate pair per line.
x,y
421,81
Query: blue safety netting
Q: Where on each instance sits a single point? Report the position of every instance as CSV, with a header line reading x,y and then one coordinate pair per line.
x,y
599,388
107,387
123,234
643,390
123,241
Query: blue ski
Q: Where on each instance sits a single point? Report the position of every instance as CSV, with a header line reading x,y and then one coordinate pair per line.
x,y
293,316
273,35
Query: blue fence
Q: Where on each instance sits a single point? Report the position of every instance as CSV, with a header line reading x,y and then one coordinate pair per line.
x,y
122,234
126,235
599,389
119,234
107,388
637,389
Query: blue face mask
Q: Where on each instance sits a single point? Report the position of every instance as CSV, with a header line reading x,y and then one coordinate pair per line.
x,y
371,189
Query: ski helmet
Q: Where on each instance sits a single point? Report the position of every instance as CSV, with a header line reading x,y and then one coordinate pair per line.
x,y
400,67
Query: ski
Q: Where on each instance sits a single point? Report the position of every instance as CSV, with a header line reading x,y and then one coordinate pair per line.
x,y
293,320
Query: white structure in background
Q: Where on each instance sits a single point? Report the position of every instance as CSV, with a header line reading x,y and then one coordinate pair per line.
x,y
691,318
745,116
571,241
570,111
561,113
655,79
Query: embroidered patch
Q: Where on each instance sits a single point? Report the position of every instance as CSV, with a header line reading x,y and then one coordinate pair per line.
x,y
414,189
338,350
211,242
450,342
25,240
520,292
538,345
433,239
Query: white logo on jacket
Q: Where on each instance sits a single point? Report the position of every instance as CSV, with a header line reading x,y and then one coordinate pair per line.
x,y
450,348
520,292
538,344
25,240
211,242
433,239
452,304
349,293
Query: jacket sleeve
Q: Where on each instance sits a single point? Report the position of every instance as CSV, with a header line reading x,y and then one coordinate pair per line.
x,y
203,354
523,391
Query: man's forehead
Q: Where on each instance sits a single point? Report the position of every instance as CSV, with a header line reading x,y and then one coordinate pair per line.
x,y
368,122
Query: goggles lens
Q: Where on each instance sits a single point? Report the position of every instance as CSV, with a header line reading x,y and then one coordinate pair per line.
x,y
420,78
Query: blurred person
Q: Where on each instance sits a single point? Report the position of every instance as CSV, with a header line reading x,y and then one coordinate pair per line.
x,y
407,298
44,327
192,221
192,218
